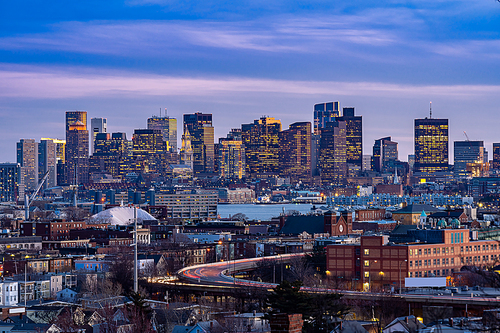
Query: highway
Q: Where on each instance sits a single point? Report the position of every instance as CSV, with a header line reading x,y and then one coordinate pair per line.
x,y
218,275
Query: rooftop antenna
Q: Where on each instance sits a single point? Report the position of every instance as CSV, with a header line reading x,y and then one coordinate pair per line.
x,y
160,112
430,110
466,136
166,114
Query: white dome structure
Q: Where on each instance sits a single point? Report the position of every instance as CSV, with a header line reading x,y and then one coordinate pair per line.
x,y
120,216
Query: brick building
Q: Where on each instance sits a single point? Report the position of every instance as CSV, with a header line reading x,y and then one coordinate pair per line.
x,y
370,214
53,230
376,262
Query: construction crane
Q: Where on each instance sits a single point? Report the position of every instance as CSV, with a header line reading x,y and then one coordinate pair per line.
x,y
29,200
466,136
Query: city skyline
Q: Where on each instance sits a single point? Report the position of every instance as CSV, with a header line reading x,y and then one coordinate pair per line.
x,y
124,61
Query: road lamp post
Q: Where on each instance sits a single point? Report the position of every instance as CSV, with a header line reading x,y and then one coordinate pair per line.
x,y
400,283
370,275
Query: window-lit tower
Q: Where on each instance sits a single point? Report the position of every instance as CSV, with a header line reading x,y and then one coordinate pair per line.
x,y
295,152
202,141
431,145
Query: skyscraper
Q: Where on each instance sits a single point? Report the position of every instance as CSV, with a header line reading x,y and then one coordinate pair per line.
x,y
496,156
466,153
168,127
60,160
324,113
384,151
431,145
11,186
231,156
295,152
354,136
149,147
261,140
77,147
202,141
47,161
333,157
97,125
27,157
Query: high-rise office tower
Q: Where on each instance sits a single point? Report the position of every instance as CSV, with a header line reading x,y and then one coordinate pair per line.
x,y
385,151
333,156
148,145
324,113
11,186
47,161
496,156
27,157
231,156
168,127
464,153
186,154
60,159
77,148
202,141
295,152
97,125
431,145
261,140
354,136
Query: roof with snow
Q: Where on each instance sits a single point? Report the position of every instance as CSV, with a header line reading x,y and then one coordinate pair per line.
x,y
120,216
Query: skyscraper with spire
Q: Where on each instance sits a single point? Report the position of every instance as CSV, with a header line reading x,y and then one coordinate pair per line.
x,y
186,149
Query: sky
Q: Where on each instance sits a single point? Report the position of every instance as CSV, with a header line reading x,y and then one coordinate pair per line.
x,y
241,60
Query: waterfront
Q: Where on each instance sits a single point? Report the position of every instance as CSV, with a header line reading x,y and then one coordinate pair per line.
x,y
261,212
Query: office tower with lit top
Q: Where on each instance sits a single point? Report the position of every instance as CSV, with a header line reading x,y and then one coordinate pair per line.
x,y
333,156
496,156
295,152
431,145
168,127
202,141
27,157
231,156
77,148
261,140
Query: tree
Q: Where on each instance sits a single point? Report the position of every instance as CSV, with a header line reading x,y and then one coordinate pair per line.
x,y
318,310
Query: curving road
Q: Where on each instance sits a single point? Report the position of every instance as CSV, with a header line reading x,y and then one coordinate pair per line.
x,y
218,274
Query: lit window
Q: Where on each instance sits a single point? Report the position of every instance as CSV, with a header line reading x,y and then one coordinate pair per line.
x,y
367,263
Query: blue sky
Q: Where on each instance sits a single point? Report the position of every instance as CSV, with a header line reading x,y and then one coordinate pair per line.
x,y
124,60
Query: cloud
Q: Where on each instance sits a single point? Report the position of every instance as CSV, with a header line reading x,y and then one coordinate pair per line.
x,y
61,83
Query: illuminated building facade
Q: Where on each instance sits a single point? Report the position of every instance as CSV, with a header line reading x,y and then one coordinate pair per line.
x,y
60,159
47,161
97,125
496,156
354,136
431,145
150,149
77,148
168,127
27,157
231,156
11,186
186,149
333,157
324,113
261,140
202,141
466,153
295,152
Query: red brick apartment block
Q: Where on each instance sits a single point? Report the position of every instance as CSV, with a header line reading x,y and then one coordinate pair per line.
x,y
282,322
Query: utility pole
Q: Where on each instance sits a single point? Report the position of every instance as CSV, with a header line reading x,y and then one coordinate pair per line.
x,y
136,285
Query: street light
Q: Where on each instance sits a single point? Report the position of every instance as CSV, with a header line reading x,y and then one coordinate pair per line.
x,y
370,275
406,260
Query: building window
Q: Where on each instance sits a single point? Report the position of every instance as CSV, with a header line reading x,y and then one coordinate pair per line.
x,y
367,263
367,274
411,263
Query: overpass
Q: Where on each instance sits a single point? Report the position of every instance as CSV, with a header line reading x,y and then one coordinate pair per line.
x,y
216,278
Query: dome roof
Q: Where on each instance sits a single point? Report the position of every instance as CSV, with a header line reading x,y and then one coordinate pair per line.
x,y
442,223
120,216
